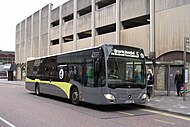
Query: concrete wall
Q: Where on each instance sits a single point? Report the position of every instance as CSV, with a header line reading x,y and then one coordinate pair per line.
x,y
168,4
84,43
35,40
67,28
105,16
83,3
67,8
66,47
54,33
34,34
44,42
28,37
107,38
84,23
54,49
55,14
134,8
138,37
172,26
17,44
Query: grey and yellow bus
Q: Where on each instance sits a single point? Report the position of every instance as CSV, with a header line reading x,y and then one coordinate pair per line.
x,y
106,74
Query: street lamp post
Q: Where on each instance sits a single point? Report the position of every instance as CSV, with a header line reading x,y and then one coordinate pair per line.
x,y
152,29
152,52
186,71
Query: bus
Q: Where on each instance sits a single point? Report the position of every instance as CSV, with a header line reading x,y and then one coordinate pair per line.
x,y
102,75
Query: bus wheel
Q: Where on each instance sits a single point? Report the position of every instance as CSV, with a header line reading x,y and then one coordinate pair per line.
x,y
75,96
37,89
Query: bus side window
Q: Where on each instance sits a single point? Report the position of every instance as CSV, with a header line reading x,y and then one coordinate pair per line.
x,y
73,73
84,74
90,74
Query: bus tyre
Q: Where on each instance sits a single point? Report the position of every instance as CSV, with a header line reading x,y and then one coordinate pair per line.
x,y
37,89
75,96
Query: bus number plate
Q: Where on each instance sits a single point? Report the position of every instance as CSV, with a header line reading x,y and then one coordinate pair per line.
x,y
129,101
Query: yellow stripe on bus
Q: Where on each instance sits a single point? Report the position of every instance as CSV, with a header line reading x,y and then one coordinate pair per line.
x,y
65,86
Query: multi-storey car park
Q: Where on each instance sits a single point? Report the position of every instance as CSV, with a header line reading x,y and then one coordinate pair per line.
x,y
79,24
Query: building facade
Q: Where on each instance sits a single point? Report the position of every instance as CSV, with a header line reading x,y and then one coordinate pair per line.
x,y
81,24
7,57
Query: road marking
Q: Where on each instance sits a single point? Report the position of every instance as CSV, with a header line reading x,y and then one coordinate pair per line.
x,y
8,123
162,121
166,114
125,113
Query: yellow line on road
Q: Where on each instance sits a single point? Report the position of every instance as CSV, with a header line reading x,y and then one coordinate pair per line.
x,y
125,113
162,121
166,114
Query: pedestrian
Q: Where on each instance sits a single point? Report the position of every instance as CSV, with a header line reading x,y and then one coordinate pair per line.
x,y
150,83
178,81
137,76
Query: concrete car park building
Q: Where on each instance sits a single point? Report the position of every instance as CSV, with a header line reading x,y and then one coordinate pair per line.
x,y
79,24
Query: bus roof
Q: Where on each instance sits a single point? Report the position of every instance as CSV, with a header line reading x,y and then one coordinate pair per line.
x,y
101,45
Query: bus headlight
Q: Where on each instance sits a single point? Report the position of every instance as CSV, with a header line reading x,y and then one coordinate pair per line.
x,y
144,96
109,97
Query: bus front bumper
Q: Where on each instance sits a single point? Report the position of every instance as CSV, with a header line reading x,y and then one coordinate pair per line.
x,y
111,99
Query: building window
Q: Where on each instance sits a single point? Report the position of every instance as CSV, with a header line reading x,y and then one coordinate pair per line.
x,y
68,18
106,29
104,3
68,38
136,22
55,23
55,42
85,11
85,34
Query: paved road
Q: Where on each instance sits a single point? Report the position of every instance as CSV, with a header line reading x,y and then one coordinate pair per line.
x,y
21,108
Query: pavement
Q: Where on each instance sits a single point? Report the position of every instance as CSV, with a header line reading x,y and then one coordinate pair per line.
x,y
160,101
173,103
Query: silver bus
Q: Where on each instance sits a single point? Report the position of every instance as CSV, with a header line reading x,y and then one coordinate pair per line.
x,y
102,75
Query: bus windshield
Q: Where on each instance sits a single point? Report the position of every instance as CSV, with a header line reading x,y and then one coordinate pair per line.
x,y
126,72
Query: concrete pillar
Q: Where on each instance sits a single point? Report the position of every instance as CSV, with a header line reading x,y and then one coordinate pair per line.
x,y
25,42
32,35
75,26
20,44
63,32
118,22
93,23
49,28
152,52
169,80
60,29
18,72
39,39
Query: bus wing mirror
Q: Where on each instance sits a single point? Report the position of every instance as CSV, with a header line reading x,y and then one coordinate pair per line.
x,y
95,55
